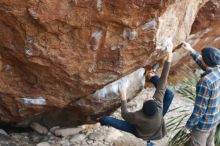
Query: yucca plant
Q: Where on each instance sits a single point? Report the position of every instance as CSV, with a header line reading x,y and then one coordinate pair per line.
x,y
217,136
176,123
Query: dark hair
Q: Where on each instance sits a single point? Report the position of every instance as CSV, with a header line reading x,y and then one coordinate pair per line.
x,y
150,108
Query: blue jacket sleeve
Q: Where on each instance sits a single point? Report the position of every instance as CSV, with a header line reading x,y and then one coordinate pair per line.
x,y
197,57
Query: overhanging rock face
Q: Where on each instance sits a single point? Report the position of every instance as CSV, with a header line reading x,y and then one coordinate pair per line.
x,y
102,102
55,54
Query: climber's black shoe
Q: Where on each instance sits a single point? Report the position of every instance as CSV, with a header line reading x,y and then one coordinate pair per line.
x,y
95,117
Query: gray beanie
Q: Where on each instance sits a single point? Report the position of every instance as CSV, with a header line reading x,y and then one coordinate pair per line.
x,y
211,56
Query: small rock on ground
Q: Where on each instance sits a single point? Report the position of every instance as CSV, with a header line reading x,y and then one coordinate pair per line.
x,y
77,138
43,144
67,132
39,128
3,132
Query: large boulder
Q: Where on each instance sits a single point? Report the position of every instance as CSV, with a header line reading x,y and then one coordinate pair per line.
x,y
55,54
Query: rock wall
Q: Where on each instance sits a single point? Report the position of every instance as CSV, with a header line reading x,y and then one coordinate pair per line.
x,y
54,54
205,32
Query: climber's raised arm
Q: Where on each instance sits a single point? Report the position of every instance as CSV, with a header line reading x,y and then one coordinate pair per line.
x,y
161,88
128,116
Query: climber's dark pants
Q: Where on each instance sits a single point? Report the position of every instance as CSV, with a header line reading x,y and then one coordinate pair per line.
x,y
118,124
124,125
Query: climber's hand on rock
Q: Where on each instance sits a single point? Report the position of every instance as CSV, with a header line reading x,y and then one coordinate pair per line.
x,y
169,57
170,54
150,74
187,47
169,46
123,92
123,98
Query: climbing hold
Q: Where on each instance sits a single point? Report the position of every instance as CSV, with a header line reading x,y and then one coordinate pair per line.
x,y
133,35
95,40
28,52
150,25
35,101
128,34
99,5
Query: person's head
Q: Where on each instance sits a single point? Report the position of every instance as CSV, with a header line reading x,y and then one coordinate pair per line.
x,y
150,107
210,57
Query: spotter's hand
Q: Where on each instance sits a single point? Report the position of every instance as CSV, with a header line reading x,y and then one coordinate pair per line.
x,y
187,47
